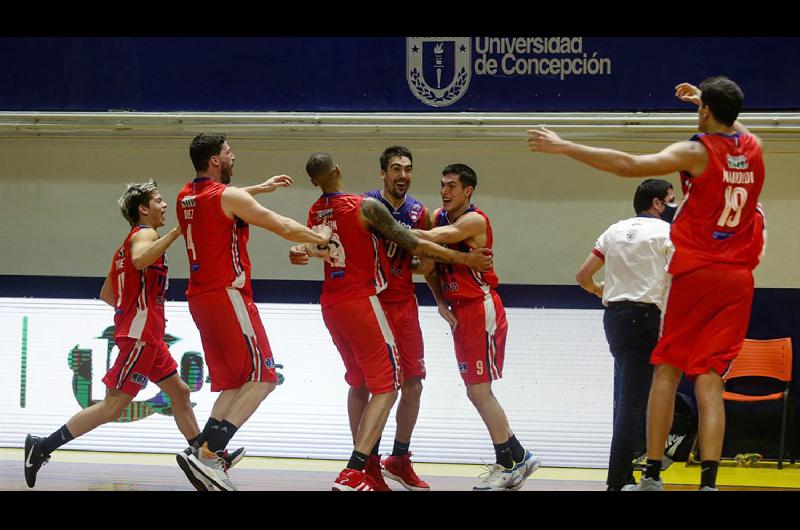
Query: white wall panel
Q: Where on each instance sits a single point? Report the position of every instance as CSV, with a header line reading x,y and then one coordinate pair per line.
x,y
556,388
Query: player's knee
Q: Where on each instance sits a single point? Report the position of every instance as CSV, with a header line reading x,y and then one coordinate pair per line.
x,y
412,389
360,393
386,398
180,395
472,395
266,389
478,394
113,408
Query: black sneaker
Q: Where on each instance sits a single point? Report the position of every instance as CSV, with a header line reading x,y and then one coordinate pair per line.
x,y
198,480
34,459
231,459
199,483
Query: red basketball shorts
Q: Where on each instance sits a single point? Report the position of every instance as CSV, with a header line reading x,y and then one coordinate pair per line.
x,y
362,334
705,319
404,322
480,338
137,362
234,341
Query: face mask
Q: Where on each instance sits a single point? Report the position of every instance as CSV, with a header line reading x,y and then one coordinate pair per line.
x,y
669,212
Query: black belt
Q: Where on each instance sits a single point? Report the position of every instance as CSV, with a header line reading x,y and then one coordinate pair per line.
x,y
634,304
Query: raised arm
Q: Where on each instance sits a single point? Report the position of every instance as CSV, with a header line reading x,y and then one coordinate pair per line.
x,y
270,185
376,215
692,94
147,247
680,156
467,226
241,204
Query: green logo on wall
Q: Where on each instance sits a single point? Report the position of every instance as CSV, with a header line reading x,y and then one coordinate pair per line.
x,y
80,362
191,371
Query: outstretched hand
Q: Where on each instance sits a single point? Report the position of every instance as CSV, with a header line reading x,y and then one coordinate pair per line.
x,y
545,141
689,93
278,181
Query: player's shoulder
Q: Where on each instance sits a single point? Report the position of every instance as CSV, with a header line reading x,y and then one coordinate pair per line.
x,y
623,225
473,215
367,205
143,233
233,190
696,144
412,201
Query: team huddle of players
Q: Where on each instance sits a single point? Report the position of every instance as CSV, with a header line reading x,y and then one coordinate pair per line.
x,y
371,245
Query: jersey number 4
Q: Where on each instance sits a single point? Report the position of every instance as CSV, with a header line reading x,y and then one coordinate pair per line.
x,y
189,242
735,198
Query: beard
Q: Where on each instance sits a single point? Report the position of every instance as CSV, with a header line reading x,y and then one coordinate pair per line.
x,y
226,172
397,194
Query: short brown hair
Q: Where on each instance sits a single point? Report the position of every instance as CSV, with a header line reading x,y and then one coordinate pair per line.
x,y
137,194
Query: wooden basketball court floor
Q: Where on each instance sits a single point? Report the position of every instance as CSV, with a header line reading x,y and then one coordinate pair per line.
x,y
100,471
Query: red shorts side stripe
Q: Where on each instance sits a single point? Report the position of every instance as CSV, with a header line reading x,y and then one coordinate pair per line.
x,y
249,334
133,357
480,338
403,317
386,331
365,341
491,346
235,344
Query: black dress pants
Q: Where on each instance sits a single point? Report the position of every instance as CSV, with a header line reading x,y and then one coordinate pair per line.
x,y
632,333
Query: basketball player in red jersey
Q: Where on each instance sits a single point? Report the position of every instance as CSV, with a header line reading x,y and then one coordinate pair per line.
x,y
135,288
468,301
214,219
718,235
355,268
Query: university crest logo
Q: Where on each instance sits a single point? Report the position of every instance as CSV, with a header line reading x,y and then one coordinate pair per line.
x,y
438,69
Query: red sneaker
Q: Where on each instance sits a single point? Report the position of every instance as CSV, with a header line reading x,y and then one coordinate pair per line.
x,y
353,480
373,470
399,468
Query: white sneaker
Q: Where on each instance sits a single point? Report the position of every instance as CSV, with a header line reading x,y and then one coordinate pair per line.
x,y
708,488
496,478
213,466
525,469
646,484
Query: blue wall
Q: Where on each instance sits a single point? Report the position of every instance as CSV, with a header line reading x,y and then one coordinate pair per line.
x,y
369,74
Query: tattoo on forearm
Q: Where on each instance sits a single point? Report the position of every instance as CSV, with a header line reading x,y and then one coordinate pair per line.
x,y
380,219
438,253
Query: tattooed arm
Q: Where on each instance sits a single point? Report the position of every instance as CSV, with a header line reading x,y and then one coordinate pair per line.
x,y
378,217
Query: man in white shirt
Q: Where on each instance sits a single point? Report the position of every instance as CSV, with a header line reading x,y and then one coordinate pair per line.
x,y
635,253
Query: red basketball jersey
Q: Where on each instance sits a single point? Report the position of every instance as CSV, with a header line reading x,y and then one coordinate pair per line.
x,y
459,282
138,294
718,221
358,270
215,243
